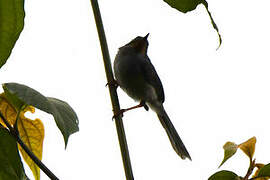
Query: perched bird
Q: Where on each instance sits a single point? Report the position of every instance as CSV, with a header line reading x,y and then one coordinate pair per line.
x,y
136,75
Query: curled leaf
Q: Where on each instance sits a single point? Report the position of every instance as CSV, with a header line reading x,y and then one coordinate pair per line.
x,y
189,5
230,149
248,147
264,172
258,166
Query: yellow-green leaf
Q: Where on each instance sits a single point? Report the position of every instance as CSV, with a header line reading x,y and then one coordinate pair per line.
x,y
30,131
230,149
248,147
32,134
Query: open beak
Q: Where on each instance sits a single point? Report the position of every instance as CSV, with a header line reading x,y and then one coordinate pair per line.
x,y
145,37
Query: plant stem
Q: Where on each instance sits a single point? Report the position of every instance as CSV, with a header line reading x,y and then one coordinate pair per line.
x,y
112,90
250,169
15,134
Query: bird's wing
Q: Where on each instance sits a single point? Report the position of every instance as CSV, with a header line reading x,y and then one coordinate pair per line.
x,y
152,78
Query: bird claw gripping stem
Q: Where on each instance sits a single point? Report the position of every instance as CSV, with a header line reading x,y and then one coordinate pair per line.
x,y
121,112
112,83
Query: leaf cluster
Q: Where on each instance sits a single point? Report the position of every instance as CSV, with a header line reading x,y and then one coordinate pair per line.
x,y
248,147
14,102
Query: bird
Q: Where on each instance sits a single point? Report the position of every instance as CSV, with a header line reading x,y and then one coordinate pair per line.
x,y
136,75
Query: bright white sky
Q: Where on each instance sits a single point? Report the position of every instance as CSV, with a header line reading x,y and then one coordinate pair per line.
x,y
211,96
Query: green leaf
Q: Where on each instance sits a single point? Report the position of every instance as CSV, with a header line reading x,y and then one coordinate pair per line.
x,y
224,175
11,166
13,100
230,149
189,5
11,25
264,171
64,116
184,5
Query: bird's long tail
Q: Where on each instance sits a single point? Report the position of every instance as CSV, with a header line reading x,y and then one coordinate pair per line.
x,y
176,141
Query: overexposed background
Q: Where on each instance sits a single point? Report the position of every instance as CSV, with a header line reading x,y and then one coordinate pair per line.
x,y
211,96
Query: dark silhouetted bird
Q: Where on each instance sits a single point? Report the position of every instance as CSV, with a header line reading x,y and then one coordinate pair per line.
x,y
136,75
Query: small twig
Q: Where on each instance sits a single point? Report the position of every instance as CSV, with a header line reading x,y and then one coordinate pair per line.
x,y
250,169
15,134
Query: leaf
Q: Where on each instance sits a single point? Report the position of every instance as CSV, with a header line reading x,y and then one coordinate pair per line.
x,y
184,5
248,147
32,134
264,171
64,116
11,166
30,131
189,5
11,24
230,149
224,175
258,166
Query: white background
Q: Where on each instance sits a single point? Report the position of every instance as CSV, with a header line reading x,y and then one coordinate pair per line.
x,y
211,96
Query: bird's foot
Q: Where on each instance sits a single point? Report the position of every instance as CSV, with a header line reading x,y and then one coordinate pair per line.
x,y
113,83
121,112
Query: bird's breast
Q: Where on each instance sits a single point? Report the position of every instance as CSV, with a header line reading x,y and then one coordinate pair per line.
x,y
129,76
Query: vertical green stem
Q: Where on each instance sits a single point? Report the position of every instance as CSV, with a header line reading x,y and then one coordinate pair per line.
x,y
112,90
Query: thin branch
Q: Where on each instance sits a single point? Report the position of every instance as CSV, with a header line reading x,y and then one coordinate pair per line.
x,y
250,169
15,134
112,90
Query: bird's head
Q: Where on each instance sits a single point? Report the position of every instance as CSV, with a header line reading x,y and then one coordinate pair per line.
x,y
140,44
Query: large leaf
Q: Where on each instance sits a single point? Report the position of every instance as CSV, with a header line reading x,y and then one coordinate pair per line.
x,y
11,25
11,167
189,5
224,175
65,117
30,131
32,134
230,149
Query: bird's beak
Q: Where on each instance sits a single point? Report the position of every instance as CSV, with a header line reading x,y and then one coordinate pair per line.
x,y
145,37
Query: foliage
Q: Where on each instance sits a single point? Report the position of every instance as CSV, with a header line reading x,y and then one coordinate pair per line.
x,y
11,166
14,102
248,147
189,5
11,25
